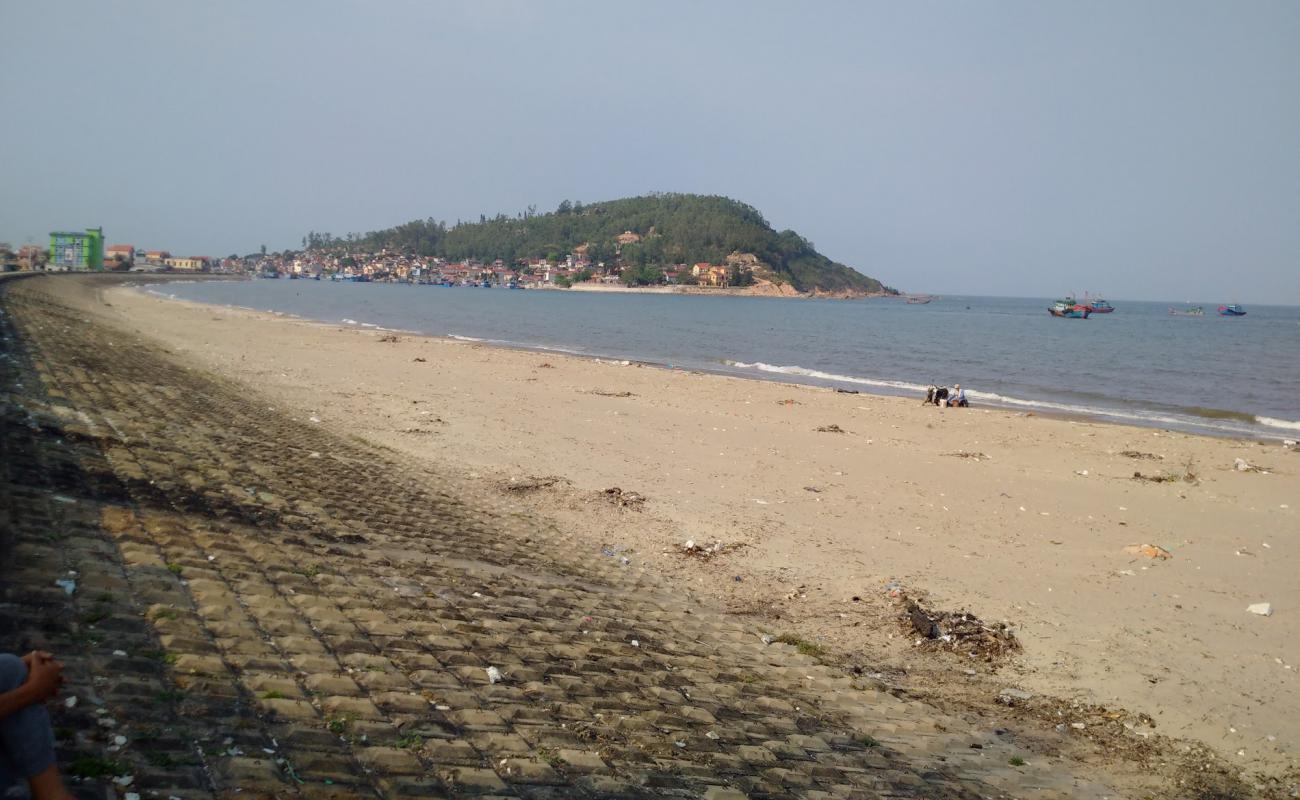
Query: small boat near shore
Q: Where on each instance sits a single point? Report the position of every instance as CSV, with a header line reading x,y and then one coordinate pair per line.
x,y
1232,310
1067,307
918,299
1190,311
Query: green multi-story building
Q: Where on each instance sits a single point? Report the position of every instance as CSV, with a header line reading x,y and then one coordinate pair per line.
x,y
73,250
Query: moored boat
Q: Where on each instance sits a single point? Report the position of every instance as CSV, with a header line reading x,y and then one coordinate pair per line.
x,y
1100,306
1069,308
918,299
1190,311
1232,310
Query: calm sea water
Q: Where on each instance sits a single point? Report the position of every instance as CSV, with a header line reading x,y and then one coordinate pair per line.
x,y
1230,376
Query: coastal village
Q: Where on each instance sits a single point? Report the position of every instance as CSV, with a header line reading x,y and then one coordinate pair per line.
x,y
85,251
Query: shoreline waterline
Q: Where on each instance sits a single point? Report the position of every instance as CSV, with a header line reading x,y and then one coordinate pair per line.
x,y
1198,418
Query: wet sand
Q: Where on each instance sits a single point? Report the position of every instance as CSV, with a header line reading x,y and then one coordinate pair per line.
x,y
1013,517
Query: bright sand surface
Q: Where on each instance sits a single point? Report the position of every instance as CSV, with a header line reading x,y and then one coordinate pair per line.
x,y
1032,531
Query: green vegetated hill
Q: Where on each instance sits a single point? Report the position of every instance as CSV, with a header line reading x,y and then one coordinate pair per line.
x,y
674,229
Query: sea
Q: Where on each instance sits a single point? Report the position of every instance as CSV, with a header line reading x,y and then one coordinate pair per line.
x,y
1228,376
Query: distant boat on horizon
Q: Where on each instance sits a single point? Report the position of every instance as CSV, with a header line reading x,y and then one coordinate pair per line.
x,y
1191,311
1067,307
1232,310
1098,305
918,299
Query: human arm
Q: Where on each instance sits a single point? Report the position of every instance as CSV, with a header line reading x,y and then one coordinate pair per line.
x,y
44,677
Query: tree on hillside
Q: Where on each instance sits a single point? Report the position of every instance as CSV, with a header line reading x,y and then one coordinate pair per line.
x,y
674,229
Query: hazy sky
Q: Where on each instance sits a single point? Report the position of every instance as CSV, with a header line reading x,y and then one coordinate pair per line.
x,y
1139,149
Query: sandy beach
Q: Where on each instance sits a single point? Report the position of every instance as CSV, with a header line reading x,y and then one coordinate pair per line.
x,y
825,503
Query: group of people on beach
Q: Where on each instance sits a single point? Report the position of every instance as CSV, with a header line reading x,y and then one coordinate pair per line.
x,y
946,398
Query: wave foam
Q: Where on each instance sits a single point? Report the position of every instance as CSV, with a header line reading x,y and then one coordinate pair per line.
x,y
826,376
1231,426
1278,423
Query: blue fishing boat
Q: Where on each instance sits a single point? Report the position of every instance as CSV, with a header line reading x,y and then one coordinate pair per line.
x,y
1232,310
1100,306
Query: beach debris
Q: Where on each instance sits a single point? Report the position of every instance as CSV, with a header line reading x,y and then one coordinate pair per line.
x,y
533,483
1262,609
973,455
66,584
705,552
1140,456
831,429
1148,550
1010,696
788,402
813,489
389,337
624,499
420,359
545,365
1082,472
922,622
1186,475
767,638
605,393
1289,444
1242,465
494,675
418,431
846,391
958,632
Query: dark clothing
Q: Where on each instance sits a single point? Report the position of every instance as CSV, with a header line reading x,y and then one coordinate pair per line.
x,y
26,738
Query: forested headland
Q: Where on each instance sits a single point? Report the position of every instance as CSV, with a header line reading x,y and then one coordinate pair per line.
x,y
648,235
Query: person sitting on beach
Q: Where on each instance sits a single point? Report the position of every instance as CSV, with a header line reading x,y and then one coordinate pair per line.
x,y
937,395
26,737
959,397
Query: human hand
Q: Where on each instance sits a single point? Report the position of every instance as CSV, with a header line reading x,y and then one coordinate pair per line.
x,y
44,675
34,656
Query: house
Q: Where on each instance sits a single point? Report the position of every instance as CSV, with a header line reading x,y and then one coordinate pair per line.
x,y
31,256
710,274
119,252
158,257
191,264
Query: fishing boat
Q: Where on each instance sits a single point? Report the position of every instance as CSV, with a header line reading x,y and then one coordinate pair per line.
x,y
1069,308
1232,310
1190,311
1099,306
918,299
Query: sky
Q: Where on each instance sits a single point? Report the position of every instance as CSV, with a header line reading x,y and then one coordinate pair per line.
x,y
1142,150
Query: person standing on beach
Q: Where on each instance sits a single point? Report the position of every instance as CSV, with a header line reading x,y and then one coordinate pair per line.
x,y
26,737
